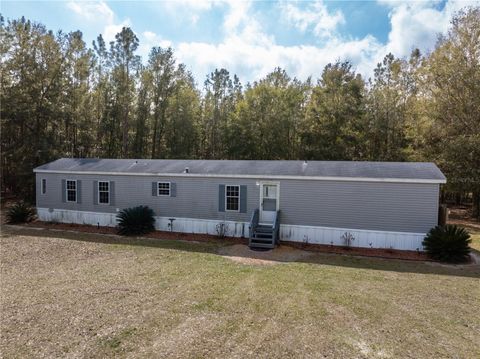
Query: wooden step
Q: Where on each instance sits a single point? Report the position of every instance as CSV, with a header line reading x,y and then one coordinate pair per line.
x,y
261,240
256,242
262,245
264,228
263,235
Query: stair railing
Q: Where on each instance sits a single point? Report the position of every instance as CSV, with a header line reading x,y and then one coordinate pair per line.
x,y
254,222
276,227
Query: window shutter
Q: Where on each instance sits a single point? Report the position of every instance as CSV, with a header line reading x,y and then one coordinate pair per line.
x,y
154,189
221,198
95,192
79,191
243,199
112,193
173,189
64,191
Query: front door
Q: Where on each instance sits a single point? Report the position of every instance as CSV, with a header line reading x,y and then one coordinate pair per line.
x,y
269,195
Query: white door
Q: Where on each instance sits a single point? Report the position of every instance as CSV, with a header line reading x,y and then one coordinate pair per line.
x,y
269,193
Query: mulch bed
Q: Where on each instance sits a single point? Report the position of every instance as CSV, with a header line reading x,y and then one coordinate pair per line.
x,y
364,252
85,228
353,251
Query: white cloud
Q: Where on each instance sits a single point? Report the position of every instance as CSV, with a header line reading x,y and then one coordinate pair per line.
x,y
418,3
92,11
315,17
251,53
236,15
194,19
418,24
149,39
248,50
253,61
190,10
99,14
197,5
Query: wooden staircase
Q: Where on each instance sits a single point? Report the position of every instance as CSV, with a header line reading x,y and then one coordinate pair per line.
x,y
263,235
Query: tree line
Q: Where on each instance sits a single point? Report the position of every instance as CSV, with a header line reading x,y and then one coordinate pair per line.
x,y
61,98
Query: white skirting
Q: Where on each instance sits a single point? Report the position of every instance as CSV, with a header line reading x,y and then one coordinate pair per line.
x,y
79,217
361,237
293,233
184,225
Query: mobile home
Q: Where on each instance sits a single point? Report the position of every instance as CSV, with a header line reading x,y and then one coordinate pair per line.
x,y
367,204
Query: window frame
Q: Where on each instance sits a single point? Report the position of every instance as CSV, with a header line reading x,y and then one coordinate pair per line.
x,y
226,196
43,187
98,192
66,190
169,189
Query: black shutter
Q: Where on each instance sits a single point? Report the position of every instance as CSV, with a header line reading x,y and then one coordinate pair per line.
x,y
111,195
95,192
64,190
243,199
221,198
173,189
154,189
79,191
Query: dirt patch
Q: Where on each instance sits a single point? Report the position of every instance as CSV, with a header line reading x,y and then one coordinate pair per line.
x,y
461,215
243,254
469,224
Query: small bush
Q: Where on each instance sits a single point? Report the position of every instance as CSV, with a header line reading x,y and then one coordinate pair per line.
x,y
448,243
136,220
20,212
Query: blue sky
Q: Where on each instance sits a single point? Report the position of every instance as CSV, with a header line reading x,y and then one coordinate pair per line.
x,y
250,38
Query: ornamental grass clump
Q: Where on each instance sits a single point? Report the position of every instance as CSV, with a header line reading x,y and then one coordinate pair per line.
x,y
448,243
20,212
136,221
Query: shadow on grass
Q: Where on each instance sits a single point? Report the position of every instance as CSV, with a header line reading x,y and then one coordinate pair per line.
x,y
315,258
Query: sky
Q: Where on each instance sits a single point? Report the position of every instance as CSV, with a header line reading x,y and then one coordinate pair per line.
x,y
251,38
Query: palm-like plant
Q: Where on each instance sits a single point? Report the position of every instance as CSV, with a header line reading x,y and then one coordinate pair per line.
x,y
20,212
136,220
448,243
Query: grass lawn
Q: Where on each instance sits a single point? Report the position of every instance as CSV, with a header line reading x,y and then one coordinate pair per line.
x,y
83,295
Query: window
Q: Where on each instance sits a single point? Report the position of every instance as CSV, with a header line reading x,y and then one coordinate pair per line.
x,y
104,192
164,188
71,191
232,198
44,186
269,191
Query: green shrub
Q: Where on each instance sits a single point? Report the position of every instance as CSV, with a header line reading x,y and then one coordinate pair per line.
x,y
136,220
20,212
448,243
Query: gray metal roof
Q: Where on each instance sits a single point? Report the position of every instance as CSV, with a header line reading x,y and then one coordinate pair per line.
x,y
420,171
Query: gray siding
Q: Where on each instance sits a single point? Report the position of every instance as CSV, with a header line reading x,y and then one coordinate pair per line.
x,y
403,207
195,197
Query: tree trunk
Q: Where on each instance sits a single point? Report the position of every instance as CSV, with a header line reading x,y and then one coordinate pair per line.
x,y
476,205
458,198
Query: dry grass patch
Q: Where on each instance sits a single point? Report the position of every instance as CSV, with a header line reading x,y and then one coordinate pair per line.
x,y
475,234
243,254
85,295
